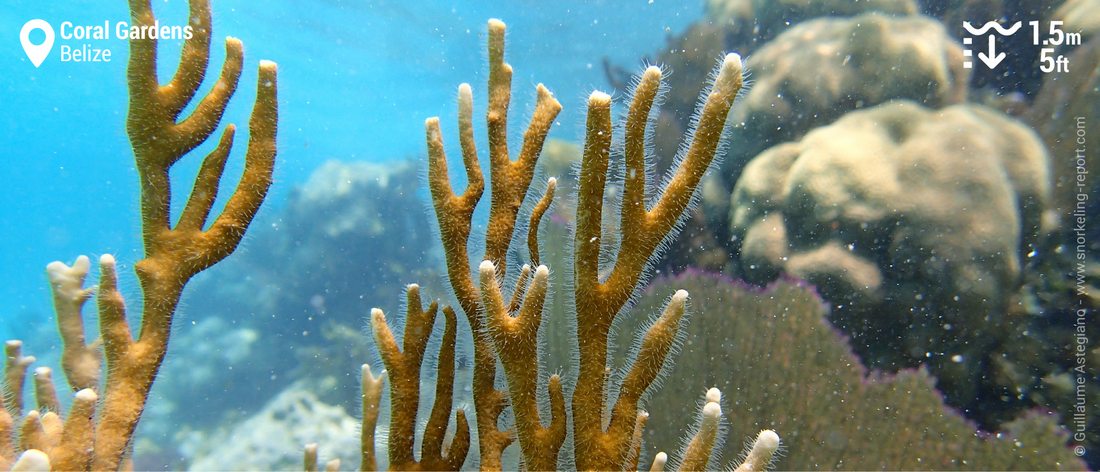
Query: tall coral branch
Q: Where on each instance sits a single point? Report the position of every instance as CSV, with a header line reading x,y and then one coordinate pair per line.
x,y
508,331
509,184
599,302
79,359
174,255
98,431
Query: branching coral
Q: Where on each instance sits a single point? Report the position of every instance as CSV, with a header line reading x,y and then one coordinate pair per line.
x,y
604,436
98,429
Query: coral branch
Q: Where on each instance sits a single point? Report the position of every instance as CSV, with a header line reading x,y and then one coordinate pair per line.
x,y
599,302
44,391
760,453
77,438
659,462
509,184
515,340
656,345
33,460
309,458
403,366
698,452
536,218
15,375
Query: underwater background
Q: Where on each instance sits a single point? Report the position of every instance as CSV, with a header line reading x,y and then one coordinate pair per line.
x,y
913,215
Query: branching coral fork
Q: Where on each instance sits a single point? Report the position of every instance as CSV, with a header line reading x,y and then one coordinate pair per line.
x,y
99,437
510,182
600,301
516,342
175,254
403,368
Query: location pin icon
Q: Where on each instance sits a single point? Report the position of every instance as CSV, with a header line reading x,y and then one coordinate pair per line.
x,y
36,52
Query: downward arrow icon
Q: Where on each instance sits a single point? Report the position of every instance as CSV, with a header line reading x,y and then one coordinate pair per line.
x,y
991,59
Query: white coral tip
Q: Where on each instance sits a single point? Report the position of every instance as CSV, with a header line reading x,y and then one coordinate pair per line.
x,y
712,411
32,460
87,395
599,98
732,60
659,461
680,296
768,440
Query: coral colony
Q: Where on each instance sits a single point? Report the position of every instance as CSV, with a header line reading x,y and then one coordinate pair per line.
x,y
507,330
98,430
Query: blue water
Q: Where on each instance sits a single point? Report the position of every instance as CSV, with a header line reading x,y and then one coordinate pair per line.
x,y
356,81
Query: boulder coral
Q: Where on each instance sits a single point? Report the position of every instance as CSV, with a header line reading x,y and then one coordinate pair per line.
x,y
818,70
903,216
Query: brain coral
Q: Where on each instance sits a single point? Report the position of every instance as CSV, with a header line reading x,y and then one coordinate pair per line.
x,y
908,219
820,69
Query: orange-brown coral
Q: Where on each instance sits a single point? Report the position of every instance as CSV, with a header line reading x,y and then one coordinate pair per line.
x,y
604,437
98,429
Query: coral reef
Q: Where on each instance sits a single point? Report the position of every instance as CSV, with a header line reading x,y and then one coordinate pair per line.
x,y
785,367
98,429
908,219
349,234
506,331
